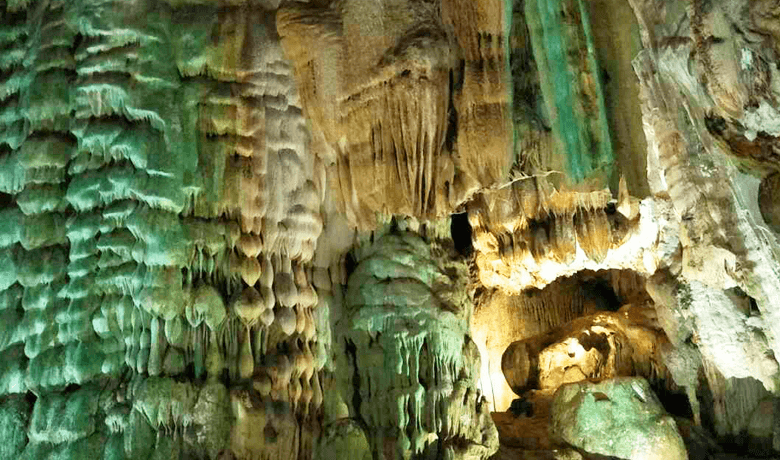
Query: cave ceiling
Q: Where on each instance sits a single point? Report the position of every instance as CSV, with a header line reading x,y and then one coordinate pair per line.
x,y
389,229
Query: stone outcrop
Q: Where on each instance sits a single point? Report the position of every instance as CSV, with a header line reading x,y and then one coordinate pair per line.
x,y
409,100
620,418
601,346
412,365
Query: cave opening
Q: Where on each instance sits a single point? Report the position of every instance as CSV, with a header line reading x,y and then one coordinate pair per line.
x,y
589,326
502,318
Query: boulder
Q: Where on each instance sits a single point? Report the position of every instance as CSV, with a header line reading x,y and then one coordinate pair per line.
x,y
618,417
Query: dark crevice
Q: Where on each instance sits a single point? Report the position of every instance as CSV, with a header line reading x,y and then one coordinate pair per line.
x,y
6,200
452,115
30,397
600,293
754,311
460,230
675,403
350,263
351,351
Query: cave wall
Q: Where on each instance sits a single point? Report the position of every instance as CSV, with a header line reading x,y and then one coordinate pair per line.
x,y
224,226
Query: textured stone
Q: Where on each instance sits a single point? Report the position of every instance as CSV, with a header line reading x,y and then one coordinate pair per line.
x,y
342,439
618,417
415,365
769,201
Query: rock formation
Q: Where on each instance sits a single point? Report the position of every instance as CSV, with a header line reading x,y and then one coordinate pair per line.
x,y
389,229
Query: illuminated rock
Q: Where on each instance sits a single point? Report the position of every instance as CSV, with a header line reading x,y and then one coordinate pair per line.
x,y
407,342
601,346
621,418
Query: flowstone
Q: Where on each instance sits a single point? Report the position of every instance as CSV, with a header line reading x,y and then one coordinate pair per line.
x,y
412,366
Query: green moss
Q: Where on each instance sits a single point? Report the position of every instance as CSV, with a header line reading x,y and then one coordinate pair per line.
x,y
343,439
162,240
82,266
628,424
10,113
17,5
11,57
54,57
83,249
41,341
83,226
121,308
166,403
9,319
391,293
10,34
165,302
212,414
84,362
50,151
110,259
75,321
167,447
15,83
207,235
83,449
174,330
106,99
46,369
41,296
62,365
684,295
112,139
174,362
